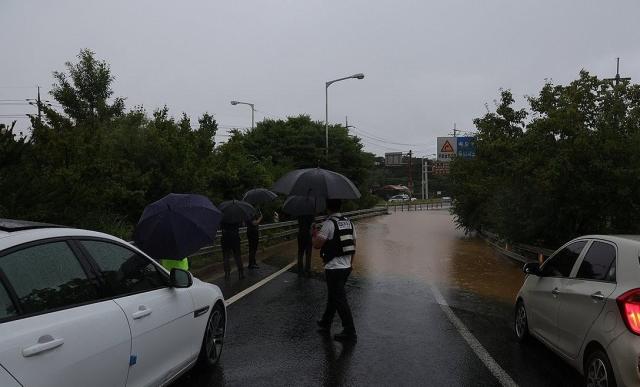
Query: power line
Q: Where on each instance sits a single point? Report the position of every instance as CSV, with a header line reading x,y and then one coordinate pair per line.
x,y
269,114
358,131
376,137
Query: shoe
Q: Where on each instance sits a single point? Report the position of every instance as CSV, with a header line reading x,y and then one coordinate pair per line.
x,y
323,327
346,336
253,266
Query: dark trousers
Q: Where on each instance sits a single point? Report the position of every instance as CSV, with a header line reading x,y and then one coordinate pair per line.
x,y
253,247
229,248
304,251
337,299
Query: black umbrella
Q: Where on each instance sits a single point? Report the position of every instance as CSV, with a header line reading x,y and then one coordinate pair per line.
x,y
259,196
176,226
303,205
316,182
236,211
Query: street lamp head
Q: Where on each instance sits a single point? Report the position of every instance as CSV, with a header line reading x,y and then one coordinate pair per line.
x,y
358,76
234,102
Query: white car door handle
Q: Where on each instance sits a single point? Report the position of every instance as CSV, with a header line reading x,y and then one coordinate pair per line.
x,y
45,343
143,311
555,291
597,296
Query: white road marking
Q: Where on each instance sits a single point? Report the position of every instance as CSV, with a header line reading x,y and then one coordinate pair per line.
x,y
255,286
484,356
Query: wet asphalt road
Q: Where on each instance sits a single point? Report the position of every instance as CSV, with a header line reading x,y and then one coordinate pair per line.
x,y
405,337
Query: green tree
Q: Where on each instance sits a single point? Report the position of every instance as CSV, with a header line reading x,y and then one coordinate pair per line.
x,y
570,170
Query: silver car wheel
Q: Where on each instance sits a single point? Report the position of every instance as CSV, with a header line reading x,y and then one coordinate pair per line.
x,y
521,321
597,374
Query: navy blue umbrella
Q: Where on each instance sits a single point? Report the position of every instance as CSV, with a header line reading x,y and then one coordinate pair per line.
x,y
316,182
258,196
237,211
176,226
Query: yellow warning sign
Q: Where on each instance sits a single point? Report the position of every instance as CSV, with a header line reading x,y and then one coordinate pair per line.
x,y
447,148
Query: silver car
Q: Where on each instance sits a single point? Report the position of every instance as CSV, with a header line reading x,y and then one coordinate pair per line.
x,y
584,304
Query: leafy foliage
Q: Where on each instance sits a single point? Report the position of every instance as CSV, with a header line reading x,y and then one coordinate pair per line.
x,y
96,165
571,169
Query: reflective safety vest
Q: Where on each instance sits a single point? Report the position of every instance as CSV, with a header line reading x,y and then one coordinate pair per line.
x,y
342,242
175,263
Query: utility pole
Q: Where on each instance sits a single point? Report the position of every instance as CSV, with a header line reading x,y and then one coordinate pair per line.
x,y
39,108
410,177
423,175
617,78
455,130
426,180
346,123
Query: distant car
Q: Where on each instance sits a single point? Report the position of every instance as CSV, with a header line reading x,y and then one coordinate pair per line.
x,y
446,199
400,198
584,304
82,308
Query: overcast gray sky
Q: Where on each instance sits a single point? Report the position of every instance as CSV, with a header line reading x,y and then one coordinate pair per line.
x,y
428,64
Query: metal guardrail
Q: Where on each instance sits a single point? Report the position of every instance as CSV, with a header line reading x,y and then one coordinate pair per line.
x,y
518,251
408,206
286,230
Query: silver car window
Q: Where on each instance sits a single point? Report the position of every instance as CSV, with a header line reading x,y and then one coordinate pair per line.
x,y
561,263
599,263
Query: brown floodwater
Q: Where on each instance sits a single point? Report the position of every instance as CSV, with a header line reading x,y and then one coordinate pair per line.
x,y
426,245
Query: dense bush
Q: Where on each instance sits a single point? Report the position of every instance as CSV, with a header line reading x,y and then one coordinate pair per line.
x,y
568,166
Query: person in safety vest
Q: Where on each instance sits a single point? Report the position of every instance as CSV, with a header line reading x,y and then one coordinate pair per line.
x,y
175,263
337,243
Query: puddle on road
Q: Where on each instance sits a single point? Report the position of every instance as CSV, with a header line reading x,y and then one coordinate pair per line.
x,y
425,245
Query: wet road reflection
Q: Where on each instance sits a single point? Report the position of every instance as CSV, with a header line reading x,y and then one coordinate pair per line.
x,y
404,338
426,245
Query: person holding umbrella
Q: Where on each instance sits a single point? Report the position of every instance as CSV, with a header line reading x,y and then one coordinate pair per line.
x,y
230,243
336,238
234,212
304,208
176,226
253,236
337,243
256,197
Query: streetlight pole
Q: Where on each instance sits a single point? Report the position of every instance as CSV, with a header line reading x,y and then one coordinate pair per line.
x,y
326,106
425,176
252,110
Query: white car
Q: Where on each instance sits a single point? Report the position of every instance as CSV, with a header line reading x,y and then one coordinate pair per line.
x,y
82,308
584,304
401,198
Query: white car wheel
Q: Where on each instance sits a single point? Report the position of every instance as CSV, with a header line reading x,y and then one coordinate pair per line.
x,y
213,340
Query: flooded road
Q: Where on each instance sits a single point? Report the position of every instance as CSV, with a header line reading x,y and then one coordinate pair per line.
x,y
426,245
405,335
